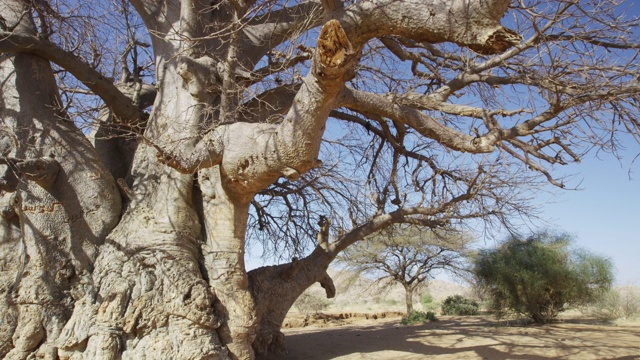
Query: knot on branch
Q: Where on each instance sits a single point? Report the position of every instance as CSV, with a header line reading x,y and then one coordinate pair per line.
x,y
291,174
200,76
42,171
497,42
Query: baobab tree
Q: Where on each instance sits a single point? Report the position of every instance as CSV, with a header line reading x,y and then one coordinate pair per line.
x,y
208,121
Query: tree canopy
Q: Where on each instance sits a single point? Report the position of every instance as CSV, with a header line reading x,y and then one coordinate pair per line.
x,y
307,126
409,256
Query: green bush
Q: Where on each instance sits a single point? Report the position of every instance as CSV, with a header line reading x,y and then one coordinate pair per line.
x,y
458,305
540,276
426,300
418,317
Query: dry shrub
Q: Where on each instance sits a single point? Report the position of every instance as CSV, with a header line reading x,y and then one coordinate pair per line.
x,y
618,303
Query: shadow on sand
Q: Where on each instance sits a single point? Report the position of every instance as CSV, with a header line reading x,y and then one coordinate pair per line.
x,y
464,338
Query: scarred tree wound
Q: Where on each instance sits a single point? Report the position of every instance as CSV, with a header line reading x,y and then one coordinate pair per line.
x,y
497,42
333,53
333,45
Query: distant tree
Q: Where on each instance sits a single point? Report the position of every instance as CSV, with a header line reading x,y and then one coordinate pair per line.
x,y
308,303
540,276
409,256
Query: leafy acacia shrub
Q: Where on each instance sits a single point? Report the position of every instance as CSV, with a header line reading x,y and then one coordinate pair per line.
x,y
418,317
540,276
458,305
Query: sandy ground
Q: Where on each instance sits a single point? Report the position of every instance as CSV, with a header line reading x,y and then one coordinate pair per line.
x,y
462,338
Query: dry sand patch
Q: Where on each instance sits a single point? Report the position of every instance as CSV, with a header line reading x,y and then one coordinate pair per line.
x,y
463,338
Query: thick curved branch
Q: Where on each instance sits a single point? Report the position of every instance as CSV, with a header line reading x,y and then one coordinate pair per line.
x,y
122,107
300,134
475,24
364,102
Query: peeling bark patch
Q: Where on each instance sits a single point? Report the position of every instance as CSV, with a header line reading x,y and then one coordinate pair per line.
x,y
333,45
41,208
244,164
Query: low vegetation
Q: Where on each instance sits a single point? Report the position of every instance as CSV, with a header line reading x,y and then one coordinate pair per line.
x,y
458,305
418,317
619,303
428,304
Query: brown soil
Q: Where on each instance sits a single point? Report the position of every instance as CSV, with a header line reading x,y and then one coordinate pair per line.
x,y
356,337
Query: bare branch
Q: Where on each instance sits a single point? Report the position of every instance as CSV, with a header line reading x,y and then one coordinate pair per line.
x,y
120,104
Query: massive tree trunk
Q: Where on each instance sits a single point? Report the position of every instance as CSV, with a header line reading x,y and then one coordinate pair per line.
x,y
59,203
162,275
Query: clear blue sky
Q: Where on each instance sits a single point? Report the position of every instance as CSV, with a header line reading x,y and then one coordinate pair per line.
x,y
605,215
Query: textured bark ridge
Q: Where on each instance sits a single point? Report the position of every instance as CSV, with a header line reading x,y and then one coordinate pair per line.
x,y
162,275
59,203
